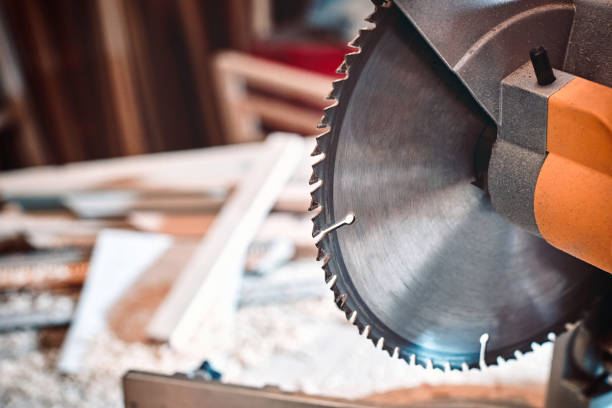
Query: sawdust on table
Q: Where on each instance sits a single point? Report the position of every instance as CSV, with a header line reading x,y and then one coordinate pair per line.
x,y
305,345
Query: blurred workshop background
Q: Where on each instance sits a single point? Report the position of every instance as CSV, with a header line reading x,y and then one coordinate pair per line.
x,y
86,80
149,222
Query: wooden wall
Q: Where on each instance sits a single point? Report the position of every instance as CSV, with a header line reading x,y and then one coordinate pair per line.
x,y
106,78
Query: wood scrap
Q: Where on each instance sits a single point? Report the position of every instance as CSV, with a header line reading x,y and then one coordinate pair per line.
x,y
208,286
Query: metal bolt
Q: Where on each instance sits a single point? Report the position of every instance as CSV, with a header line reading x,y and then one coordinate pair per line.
x,y
541,66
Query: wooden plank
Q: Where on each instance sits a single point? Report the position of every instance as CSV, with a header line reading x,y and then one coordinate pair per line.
x,y
281,115
280,79
70,145
194,28
207,287
130,315
214,167
115,36
19,108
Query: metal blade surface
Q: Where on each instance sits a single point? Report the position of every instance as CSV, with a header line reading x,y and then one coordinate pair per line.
x,y
428,266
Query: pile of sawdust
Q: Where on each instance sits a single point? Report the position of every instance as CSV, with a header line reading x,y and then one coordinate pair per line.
x,y
304,345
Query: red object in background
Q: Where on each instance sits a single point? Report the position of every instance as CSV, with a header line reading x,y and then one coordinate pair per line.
x,y
321,58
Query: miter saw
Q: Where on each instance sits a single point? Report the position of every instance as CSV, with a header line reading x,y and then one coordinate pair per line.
x,y
463,196
463,191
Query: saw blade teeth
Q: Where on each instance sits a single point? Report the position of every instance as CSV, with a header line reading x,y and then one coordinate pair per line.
x,y
316,230
317,169
315,213
342,68
323,123
314,179
375,16
351,59
341,300
439,364
456,365
316,151
328,116
357,41
361,38
316,195
429,364
328,274
321,254
353,317
318,159
366,330
317,227
323,141
316,186
396,352
326,259
380,343
334,94
331,281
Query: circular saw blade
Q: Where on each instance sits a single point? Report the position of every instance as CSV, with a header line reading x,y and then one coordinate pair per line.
x,y
428,266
